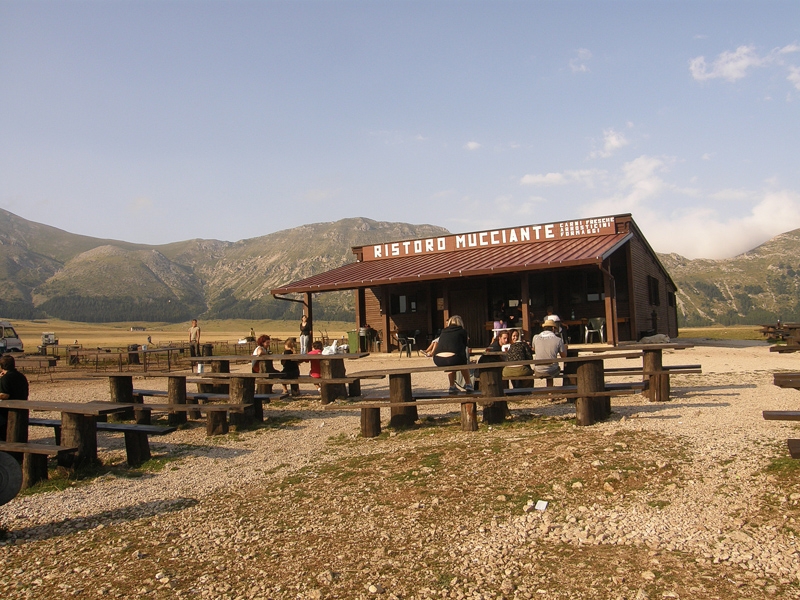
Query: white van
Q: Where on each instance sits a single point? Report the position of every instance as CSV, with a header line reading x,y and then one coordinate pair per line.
x,y
9,340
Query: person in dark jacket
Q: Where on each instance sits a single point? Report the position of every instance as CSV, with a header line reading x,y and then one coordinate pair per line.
x,y
452,351
13,386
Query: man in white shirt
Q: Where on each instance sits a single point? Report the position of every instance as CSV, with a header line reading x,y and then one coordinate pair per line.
x,y
547,345
194,339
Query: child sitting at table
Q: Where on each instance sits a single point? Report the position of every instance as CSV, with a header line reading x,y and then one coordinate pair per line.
x,y
316,348
290,370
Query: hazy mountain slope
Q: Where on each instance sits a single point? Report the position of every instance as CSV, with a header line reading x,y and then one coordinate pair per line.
x,y
44,270
47,271
760,285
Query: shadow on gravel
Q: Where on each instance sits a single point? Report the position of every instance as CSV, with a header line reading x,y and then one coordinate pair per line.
x,y
110,517
710,388
660,406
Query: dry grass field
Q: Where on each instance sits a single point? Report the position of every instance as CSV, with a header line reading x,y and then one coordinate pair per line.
x,y
113,335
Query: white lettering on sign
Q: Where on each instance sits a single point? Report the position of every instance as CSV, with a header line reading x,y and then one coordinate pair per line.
x,y
493,237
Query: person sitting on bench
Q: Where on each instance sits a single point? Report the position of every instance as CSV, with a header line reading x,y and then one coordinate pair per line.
x,y
13,386
452,351
548,346
290,370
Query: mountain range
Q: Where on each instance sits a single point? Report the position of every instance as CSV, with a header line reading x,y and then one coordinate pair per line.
x,y
45,271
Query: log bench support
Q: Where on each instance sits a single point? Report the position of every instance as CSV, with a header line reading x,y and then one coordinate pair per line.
x,y
589,407
400,391
657,377
492,386
137,445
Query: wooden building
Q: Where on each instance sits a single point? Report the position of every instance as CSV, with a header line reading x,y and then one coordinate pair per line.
x,y
584,269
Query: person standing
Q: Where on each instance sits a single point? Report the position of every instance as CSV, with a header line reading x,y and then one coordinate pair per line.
x,y
548,346
305,334
13,386
194,339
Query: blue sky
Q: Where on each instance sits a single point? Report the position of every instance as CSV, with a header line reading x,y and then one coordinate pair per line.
x,y
162,121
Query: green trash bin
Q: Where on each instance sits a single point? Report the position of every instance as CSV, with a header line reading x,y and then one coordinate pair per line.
x,y
352,340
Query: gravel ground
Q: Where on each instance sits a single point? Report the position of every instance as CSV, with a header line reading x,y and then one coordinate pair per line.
x,y
693,498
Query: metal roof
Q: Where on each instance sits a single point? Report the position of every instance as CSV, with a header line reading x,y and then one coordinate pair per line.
x,y
567,252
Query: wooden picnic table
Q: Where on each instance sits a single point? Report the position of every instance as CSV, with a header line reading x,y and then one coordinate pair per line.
x,y
590,407
241,390
79,425
331,367
788,332
653,369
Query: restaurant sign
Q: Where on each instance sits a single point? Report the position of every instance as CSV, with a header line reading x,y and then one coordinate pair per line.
x,y
527,234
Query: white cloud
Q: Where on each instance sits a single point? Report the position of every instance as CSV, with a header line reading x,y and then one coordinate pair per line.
x,y
548,179
728,65
578,63
704,233
794,76
585,177
472,145
732,66
612,141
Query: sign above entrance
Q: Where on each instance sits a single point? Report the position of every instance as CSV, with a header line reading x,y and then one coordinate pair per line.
x,y
527,234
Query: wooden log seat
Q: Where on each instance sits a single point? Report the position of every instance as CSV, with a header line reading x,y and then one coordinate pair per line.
x,y
137,444
34,459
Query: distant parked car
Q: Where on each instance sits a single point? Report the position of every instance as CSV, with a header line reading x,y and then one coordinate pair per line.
x,y
9,340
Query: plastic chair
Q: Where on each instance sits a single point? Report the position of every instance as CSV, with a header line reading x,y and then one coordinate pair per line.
x,y
414,340
403,343
596,326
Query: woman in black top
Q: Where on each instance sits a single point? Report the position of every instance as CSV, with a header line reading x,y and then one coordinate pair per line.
x,y
452,350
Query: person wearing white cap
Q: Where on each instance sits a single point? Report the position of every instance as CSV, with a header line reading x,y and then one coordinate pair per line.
x,y
547,345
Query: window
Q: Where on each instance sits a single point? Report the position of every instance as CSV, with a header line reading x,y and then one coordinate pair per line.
x,y
594,286
403,304
671,298
652,291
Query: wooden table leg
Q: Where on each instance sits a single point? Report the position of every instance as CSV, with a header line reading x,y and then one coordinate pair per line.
x,y
79,431
492,387
221,366
657,379
331,369
17,431
176,394
589,408
400,391
370,422
242,391
122,392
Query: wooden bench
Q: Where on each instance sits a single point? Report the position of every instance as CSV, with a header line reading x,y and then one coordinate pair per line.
x,y
370,407
216,414
593,401
269,379
34,459
786,380
205,397
137,444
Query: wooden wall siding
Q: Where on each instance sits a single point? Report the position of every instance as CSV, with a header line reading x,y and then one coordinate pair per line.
x,y
372,313
644,264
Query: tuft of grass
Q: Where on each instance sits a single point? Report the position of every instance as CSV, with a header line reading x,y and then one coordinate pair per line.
x,y
784,465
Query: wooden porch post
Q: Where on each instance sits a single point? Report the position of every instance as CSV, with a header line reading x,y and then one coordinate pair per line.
x,y
525,308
